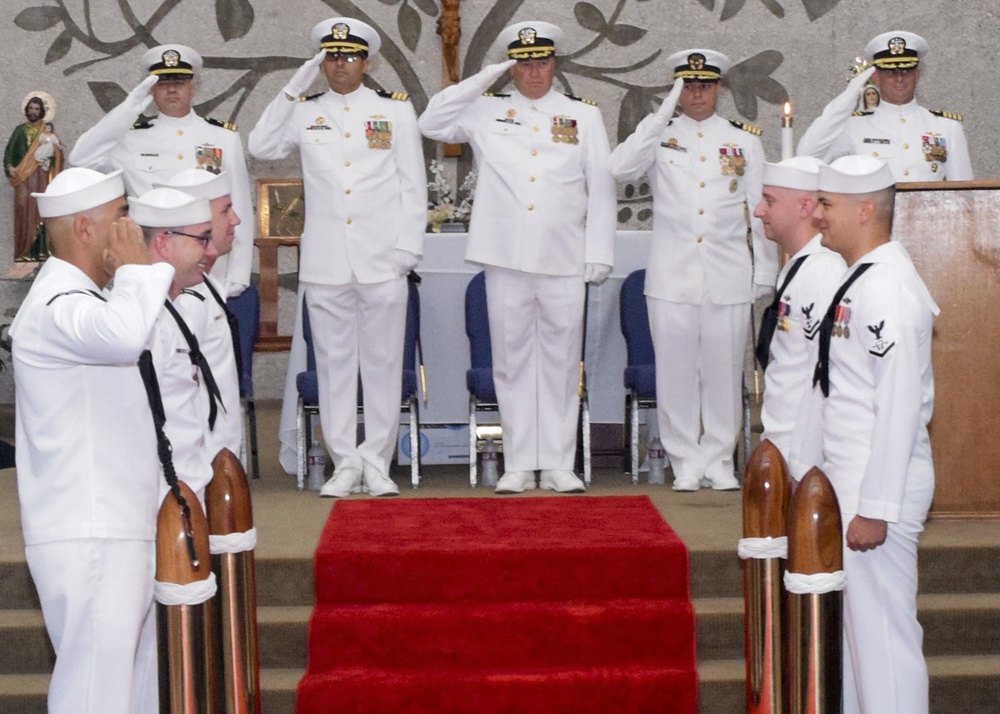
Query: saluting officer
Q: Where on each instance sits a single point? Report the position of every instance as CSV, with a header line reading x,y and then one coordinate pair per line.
x,y
543,224
918,144
366,211
151,151
705,172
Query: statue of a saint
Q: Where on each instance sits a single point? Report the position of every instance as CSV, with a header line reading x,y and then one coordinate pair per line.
x,y
449,26
33,157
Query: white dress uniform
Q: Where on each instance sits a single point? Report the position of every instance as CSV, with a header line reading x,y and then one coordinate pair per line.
x,y
88,480
151,153
545,207
917,143
207,319
789,372
706,177
366,196
876,453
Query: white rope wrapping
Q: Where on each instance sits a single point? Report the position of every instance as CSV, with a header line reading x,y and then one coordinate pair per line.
x,y
763,548
817,584
233,542
191,594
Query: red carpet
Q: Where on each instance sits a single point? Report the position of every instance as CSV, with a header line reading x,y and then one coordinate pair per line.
x,y
528,605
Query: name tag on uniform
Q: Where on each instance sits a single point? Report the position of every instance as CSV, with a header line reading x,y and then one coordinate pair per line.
x,y
873,140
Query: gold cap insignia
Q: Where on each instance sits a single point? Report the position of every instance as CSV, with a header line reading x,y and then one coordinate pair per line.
x,y
340,31
897,45
527,36
171,58
696,61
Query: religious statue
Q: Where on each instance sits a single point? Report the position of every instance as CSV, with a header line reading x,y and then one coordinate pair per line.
x,y
33,157
449,26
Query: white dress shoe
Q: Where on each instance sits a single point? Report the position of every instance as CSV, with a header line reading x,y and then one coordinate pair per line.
x,y
561,481
687,484
516,482
725,483
342,484
378,484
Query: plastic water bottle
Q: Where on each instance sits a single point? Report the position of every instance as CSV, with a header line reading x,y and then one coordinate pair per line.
x,y
657,458
316,457
489,463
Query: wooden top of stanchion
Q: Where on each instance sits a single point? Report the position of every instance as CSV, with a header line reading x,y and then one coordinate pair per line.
x,y
173,560
815,535
227,496
766,488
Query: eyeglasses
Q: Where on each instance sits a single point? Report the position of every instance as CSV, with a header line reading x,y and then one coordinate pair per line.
x,y
341,57
204,238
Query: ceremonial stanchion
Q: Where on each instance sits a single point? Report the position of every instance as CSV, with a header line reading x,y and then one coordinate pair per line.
x,y
815,582
185,586
232,539
763,547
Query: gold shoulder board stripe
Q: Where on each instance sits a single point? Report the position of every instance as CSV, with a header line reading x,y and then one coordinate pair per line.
x,y
495,94
946,115
591,102
749,128
223,124
398,96
311,97
862,114
143,124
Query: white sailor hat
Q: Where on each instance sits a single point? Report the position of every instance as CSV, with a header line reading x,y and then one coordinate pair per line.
x,y
531,39
76,190
347,36
172,62
199,183
168,208
701,65
800,173
896,50
855,175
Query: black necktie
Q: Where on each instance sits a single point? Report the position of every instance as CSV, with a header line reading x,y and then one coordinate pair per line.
x,y
769,322
199,361
822,372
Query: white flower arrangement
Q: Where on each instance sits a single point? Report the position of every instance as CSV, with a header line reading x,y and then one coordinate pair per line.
x,y
442,207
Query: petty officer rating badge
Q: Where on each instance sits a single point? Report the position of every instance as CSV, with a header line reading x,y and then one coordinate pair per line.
x,y
880,346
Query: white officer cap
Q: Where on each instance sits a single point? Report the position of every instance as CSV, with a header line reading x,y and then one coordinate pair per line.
x,y
896,50
172,62
800,173
199,183
168,208
701,65
855,175
76,190
347,36
531,39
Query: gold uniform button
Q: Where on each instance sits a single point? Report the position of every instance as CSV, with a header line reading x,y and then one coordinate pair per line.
x,y
701,184
902,120
534,128
702,159
700,135
534,152
348,221
180,132
699,239
180,157
701,211
531,179
347,135
906,146
347,191
906,172
347,109
347,163
531,207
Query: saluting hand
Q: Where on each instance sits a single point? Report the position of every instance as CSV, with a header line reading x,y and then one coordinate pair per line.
x,y
125,246
140,97
304,76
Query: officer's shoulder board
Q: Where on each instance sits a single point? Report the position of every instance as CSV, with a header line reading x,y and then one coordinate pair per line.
x,y
398,96
946,115
143,123
496,95
223,124
317,95
860,113
750,128
591,102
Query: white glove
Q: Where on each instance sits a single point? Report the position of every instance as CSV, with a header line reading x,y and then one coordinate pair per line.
x,y
488,74
848,99
234,289
404,261
140,97
304,76
763,291
596,273
670,103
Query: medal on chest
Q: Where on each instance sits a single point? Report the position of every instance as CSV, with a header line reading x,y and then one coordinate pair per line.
x,y
732,161
209,158
842,321
784,311
378,131
935,149
564,130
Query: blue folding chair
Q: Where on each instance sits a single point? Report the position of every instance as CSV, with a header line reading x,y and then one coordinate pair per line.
x,y
246,308
307,385
640,369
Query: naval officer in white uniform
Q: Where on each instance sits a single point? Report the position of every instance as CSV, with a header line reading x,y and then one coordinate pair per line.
x,y
366,211
151,151
786,345
918,144
87,471
543,224
873,442
705,172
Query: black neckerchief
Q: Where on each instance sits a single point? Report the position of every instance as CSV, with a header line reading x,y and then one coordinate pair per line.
x,y
769,322
199,361
822,372
234,328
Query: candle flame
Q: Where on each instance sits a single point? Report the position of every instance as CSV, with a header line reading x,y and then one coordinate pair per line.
x,y
788,109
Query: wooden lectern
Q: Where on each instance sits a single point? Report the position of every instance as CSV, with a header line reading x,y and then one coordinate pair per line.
x,y
952,232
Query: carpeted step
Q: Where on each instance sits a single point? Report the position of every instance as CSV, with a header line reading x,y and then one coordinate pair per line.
x,y
499,690
482,550
531,634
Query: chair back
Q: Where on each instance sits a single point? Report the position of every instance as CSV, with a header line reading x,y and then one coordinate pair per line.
x,y
246,308
477,323
635,320
412,326
308,337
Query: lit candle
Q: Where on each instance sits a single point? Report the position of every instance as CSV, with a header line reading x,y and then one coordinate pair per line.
x,y
787,142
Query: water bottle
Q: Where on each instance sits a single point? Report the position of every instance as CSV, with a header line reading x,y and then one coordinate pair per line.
x,y
489,463
317,466
657,458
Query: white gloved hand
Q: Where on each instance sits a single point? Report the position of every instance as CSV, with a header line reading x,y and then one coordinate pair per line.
x,y
596,273
234,289
848,99
763,291
404,261
670,103
304,76
488,74
140,97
